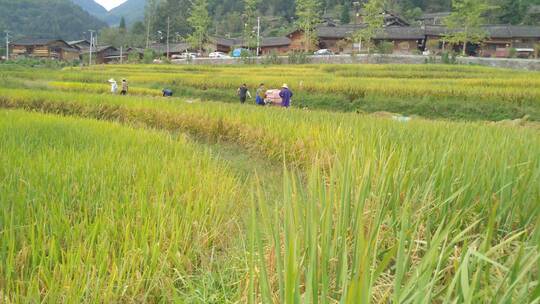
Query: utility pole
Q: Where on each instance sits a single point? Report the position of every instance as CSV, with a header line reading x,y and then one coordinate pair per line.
x,y
168,29
258,35
91,46
356,5
7,45
121,54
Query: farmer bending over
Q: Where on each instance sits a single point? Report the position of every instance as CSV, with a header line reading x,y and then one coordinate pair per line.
x,y
167,93
261,95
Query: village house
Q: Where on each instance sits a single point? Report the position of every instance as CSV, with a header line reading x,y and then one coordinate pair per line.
x,y
279,45
338,39
80,44
175,49
501,40
43,48
102,54
433,18
408,40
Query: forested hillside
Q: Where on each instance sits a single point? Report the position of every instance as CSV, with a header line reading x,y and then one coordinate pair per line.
x,y
46,19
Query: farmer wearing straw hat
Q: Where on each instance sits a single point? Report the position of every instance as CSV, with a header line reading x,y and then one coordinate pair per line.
x,y
285,95
114,85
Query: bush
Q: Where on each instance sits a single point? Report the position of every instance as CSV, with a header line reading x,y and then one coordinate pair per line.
x,y
148,56
247,57
296,57
385,47
512,53
271,58
44,63
448,58
134,58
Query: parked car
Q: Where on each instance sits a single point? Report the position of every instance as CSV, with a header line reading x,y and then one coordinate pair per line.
x,y
186,55
218,55
323,52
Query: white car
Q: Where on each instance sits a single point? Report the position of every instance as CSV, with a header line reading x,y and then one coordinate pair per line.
x,y
218,55
323,52
185,56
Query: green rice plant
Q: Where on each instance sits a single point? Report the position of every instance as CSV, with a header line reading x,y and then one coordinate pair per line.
x,y
98,88
367,87
96,212
375,210
355,236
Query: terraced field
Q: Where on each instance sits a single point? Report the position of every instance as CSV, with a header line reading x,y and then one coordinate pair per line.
x,y
147,199
431,91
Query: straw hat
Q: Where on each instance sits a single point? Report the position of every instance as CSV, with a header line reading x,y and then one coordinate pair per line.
x,y
285,86
112,80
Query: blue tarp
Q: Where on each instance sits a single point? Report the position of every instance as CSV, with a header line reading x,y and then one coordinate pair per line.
x,y
237,53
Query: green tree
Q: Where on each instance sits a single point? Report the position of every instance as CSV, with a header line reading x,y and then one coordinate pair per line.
x,y
511,11
199,20
308,13
122,26
373,14
250,20
465,22
345,13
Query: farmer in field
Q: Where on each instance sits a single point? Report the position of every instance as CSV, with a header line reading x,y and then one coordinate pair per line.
x,y
261,95
167,92
114,85
125,87
243,93
286,96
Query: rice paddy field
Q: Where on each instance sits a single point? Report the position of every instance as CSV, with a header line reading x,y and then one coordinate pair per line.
x,y
198,199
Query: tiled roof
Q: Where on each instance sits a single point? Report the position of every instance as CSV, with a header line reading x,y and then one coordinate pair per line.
x,y
173,47
36,41
411,32
265,41
78,42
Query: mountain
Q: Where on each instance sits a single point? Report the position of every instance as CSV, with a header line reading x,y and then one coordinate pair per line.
x,y
131,10
46,19
92,7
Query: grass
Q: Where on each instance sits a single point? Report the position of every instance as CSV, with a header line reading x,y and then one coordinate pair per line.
x,y
371,209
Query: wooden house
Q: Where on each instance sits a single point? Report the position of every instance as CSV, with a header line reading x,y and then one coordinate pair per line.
x,y
338,39
406,40
103,54
80,44
280,45
44,48
433,18
174,48
499,42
